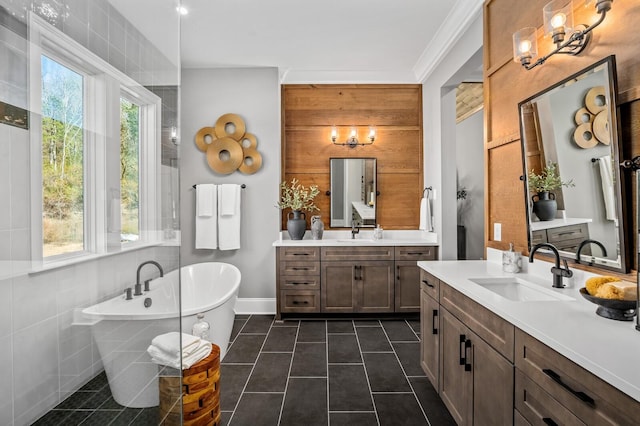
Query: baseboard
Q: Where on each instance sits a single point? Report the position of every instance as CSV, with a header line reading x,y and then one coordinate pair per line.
x,y
245,306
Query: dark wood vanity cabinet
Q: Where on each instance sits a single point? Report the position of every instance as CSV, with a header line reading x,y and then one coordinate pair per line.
x,y
429,326
298,279
553,389
350,279
475,378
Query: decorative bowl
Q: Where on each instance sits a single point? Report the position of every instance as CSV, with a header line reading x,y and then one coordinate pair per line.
x,y
620,310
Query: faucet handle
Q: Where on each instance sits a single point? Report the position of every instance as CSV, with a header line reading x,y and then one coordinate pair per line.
x,y
127,292
566,272
146,285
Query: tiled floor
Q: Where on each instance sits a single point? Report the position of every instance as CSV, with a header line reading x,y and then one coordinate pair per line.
x,y
332,372
335,372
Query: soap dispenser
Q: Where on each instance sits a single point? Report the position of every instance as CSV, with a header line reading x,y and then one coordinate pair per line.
x,y
511,260
377,233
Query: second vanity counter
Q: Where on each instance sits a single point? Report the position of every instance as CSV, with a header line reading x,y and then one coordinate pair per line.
x,y
609,349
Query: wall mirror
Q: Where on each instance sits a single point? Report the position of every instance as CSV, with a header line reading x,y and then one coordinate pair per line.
x,y
353,192
573,127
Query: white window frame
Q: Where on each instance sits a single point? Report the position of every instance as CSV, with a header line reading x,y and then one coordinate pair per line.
x,y
103,87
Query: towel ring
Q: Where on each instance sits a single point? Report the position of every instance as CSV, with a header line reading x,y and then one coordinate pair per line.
x,y
428,189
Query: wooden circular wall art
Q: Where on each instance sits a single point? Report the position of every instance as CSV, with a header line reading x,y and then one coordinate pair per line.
x,y
592,121
229,147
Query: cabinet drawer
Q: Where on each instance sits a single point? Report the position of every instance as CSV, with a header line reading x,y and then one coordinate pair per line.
x,y
489,326
538,237
538,407
299,253
415,253
567,232
299,268
429,284
302,282
591,399
356,253
299,301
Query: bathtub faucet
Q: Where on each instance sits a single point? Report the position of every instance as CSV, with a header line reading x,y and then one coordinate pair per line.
x,y
138,286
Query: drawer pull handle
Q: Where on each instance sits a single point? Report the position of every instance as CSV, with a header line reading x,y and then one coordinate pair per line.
x,y
578,394
415,253
549,422
463,352
301,283
398,269
301,254
428,284
562,234
304,302
467,363
434,329
300,269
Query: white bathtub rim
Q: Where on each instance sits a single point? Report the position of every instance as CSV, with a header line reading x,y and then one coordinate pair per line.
x,y
95,313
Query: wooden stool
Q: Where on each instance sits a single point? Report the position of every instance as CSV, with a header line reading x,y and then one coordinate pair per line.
x,y
199,389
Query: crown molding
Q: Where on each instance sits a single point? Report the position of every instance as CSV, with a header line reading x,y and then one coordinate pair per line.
x,y
454,26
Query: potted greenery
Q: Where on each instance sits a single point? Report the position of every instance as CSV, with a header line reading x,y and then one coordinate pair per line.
x,y
297,198
544,201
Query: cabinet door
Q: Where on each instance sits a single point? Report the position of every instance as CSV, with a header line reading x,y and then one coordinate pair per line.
x,y
455,382
407,287
430,337
375,285
337,287
492,385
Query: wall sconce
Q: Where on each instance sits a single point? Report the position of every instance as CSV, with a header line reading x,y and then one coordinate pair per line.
x,y
352,141
558,23
174,135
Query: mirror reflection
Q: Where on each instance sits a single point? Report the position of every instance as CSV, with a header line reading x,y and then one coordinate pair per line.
x,y
353,192
570,147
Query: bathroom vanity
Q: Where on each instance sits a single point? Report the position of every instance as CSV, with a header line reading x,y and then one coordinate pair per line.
x,y
537,356
351,276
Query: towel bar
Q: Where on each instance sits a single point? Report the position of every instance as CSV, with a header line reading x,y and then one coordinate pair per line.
x,y
243,186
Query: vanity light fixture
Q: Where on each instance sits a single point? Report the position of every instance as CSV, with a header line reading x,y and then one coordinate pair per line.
x,y
558,24
174,135
353,141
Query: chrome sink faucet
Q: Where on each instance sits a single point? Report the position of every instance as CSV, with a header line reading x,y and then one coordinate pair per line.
x,y
558,272
138,286
354,230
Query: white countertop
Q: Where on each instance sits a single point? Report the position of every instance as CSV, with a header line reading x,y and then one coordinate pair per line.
x,y
363,238
607,348
557,223
365,211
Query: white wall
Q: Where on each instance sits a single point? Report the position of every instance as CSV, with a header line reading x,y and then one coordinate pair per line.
x,y
469,152
439,132
254,94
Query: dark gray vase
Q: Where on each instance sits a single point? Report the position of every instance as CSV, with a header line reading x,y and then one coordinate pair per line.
x,y
297,225
544,205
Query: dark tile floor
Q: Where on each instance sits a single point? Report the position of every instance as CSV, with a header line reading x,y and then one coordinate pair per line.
x,y
335,372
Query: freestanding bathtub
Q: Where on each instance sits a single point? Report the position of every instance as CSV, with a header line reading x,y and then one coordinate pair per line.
x,y
123,329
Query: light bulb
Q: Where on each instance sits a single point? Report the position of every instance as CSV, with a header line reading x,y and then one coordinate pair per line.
x,y
334,134
182,10
525,46
353,133
558,20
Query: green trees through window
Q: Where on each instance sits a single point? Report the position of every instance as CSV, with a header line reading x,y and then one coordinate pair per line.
x,y
62,159
129,169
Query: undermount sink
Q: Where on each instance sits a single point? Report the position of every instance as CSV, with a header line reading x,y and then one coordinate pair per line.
x,y
519,290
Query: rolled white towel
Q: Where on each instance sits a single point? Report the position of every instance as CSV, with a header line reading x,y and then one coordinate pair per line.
x,y
170,343
202,351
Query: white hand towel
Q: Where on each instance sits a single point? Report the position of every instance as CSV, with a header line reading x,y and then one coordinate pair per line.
x,y
207,226
425,215
606,177
173,343
205,197
229,225
228,195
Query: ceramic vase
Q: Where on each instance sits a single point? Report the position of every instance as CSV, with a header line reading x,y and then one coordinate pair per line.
x,y
544,205
317,227
296,225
